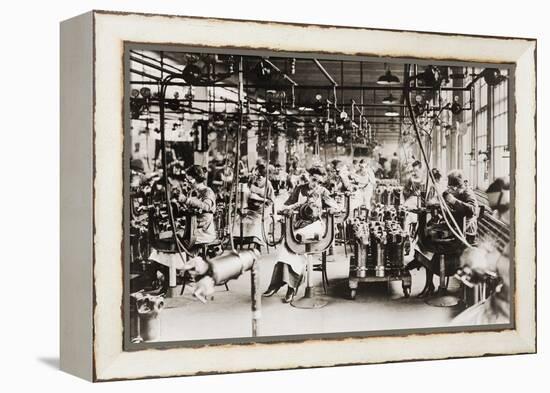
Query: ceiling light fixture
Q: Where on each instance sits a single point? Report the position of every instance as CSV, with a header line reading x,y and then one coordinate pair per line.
x,y
388,78
390,112
389,100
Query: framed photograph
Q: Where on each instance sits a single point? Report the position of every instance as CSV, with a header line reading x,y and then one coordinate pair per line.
x,y
246,195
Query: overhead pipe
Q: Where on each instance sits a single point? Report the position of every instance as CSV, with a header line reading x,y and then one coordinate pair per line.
x,y
228,101
297,115
152,65
476,78
145,74
285,76
325,73
309,87
178,71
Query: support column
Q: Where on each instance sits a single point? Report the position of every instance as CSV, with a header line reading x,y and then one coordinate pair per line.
x,y
436,147
453,150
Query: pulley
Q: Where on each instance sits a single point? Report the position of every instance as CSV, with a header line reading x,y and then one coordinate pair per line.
x,y
192,74
492,76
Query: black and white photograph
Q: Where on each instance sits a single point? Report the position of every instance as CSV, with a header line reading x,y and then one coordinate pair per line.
x,y
274,196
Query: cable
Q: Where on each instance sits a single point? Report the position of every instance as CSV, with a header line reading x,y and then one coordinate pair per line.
x,y
237,162
266,240
458,233
442,202
179,245
231,213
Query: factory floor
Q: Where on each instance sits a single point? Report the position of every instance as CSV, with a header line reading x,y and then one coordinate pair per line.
x,y
376,307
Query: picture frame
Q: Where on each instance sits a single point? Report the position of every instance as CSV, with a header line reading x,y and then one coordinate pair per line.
x,y
93,48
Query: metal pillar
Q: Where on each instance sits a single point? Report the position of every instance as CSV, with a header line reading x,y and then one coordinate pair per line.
x,y
442,298
310,300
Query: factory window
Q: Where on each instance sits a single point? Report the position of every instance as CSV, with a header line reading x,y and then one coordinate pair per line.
x,y
501,153
468,165
481,180
481,148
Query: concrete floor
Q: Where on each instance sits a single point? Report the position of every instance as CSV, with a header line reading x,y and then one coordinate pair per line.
x,y
376,307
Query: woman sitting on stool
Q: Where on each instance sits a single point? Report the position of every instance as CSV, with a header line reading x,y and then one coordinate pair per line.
x,y
201,202
290,267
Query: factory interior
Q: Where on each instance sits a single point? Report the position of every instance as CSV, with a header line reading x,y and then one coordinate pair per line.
x,y
288,195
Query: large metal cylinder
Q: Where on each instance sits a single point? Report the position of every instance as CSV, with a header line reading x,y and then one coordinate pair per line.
x,y
395,249
361,261
148,310
231,266
380,268
361,233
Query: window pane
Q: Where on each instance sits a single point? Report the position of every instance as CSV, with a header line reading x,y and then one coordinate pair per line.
x,y
501,154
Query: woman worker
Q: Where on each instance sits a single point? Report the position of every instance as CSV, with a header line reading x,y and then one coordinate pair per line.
x,y
255,193
290,267
222,181
489,258
435,189
366,182
201,201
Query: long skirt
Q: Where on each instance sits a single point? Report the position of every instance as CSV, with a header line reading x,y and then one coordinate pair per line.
x,y
252,225
290,267
283,274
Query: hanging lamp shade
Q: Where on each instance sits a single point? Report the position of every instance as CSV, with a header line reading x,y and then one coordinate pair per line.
x,y
389,100
388,79
390,112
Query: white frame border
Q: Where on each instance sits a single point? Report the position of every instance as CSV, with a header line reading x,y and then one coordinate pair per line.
x,y
111,30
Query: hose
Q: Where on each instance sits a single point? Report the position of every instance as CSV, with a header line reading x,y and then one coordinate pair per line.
x,y
456,231
266,240
235,185
179,246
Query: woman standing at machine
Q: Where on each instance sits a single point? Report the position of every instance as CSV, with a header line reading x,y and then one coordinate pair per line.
x,y
339,178
256,195
366,182
308,199
223,180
